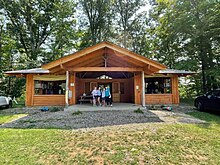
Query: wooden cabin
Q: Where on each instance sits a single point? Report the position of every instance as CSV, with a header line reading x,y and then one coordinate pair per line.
x,y
131,77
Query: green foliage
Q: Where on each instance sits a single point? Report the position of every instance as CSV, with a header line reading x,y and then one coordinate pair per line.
x,y
33,33
98,14
138,111
55,109
184,35
77,113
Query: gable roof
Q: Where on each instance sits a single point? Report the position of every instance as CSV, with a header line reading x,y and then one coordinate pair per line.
x,y
117,50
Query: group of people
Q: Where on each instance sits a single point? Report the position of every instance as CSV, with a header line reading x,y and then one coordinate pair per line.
x,y
102,96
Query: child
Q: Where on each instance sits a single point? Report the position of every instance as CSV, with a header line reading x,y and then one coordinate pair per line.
x,y
94,95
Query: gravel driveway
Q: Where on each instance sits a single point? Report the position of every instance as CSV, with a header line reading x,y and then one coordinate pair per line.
x,y
68,120
89,119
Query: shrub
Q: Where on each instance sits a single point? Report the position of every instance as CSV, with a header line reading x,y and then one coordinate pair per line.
x,y
153,107
77,113
54,109
138,111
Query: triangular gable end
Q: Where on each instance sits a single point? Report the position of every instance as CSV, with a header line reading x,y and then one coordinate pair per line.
x,y
116,55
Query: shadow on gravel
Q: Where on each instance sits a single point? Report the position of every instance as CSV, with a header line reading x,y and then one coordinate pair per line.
x,y
70,120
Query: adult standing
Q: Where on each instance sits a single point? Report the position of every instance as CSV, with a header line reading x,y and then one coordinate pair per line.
x,y
108,97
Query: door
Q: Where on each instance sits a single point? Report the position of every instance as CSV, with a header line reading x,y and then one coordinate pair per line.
x,y
93,85
116,92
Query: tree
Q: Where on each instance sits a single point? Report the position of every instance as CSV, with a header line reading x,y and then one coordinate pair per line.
x,y
31,33
185,36
126,16
98,14
36,23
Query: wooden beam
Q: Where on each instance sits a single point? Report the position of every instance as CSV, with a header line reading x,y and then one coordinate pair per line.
x,y
143,89
67,89
110,69
56,69
75,55
81,61
60,72
150,70
101,46
88,57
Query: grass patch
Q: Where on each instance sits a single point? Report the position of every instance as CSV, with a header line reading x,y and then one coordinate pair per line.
x,y
166,144
136,144
211,118
77,113
4,118
138,111
189,101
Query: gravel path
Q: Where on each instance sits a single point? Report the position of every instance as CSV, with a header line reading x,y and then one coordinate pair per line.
x,y
68,120
98,118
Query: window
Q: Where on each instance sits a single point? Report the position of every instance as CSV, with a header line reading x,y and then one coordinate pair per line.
x,y
49,87
158,85
104,77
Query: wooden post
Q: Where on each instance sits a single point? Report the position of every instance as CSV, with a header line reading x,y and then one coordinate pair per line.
x,y
143,90
137,88
72,88
175,90
29,90
67,89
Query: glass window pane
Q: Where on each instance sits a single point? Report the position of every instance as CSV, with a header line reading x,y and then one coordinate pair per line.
x,y
49,87
157,85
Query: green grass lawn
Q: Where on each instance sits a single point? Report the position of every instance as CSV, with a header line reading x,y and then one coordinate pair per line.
x,y
136,144
6,117
189,101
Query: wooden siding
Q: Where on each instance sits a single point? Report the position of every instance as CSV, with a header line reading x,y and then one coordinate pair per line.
x,y
48,100
158,98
